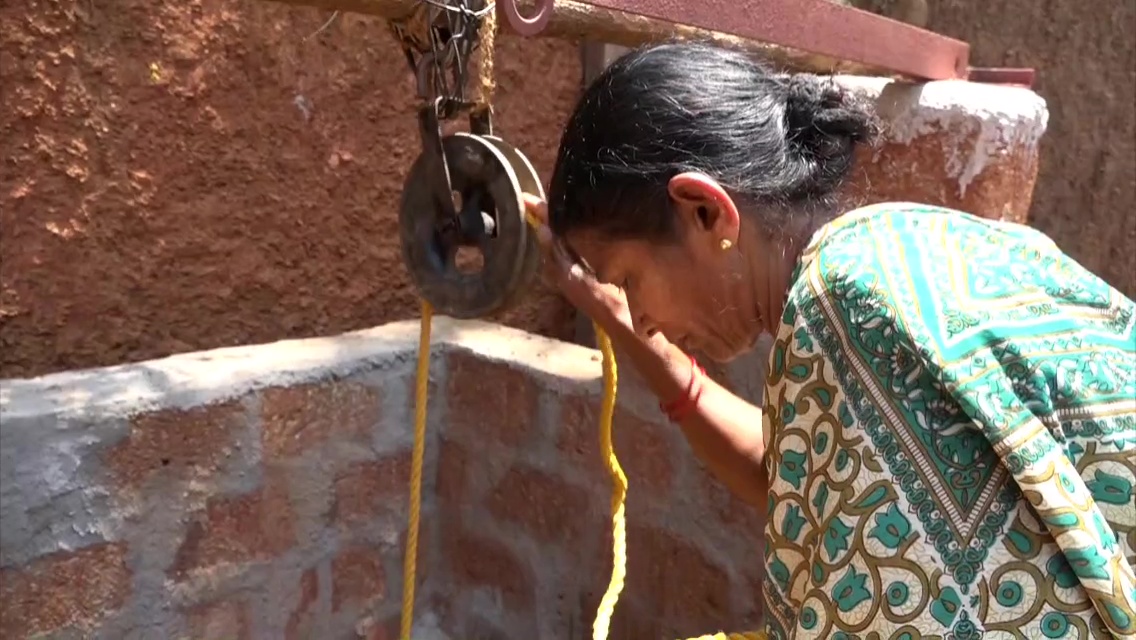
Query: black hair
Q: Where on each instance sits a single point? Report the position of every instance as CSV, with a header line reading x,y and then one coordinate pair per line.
x,y
780,142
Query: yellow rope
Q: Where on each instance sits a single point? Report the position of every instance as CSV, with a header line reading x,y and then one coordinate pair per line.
x,y
487,46
618,488
618,491
421,388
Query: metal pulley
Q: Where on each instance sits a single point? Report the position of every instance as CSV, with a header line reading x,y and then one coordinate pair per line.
x,y
464,191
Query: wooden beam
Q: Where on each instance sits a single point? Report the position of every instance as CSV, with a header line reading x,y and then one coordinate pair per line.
x,y
580,21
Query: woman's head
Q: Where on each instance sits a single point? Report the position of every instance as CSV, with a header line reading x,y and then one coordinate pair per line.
x,y
683,167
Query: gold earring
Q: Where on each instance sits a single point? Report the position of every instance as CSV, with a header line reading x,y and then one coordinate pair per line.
x,y
725,244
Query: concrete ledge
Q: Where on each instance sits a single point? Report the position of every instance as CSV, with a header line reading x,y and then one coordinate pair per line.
x,y
207,377
261,491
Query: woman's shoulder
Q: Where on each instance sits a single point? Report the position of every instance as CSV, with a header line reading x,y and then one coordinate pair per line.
x,y
914,224
902,240
949,276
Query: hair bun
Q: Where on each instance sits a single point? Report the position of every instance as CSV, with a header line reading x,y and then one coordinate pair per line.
x,y
824,124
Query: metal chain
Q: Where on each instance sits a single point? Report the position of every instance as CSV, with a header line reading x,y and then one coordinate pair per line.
x,y
438,39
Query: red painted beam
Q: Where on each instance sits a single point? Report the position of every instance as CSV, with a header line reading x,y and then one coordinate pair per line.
x,y
812,26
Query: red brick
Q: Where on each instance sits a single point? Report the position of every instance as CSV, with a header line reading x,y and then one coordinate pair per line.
x,y
547,507
453,481
388,629
357,578
687,592
491,400
479,561
194,441
367,488
922,172
641,447
238,529
227,620
65,589
300,623
298,418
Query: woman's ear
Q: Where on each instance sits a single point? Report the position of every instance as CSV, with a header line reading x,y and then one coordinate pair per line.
x,y
703,206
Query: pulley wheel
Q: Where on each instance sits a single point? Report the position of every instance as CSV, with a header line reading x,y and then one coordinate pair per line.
x,y
529,182
492,174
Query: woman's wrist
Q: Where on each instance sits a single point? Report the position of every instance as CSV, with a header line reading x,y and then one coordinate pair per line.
x,y
665,368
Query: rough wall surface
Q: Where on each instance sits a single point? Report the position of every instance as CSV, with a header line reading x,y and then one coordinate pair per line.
x,y
963,145
186,175
1086,61
191,175
260,492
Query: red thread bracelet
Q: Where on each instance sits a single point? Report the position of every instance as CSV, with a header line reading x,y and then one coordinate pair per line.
x,y
679,409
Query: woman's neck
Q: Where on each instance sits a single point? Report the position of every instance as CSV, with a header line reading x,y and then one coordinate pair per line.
x,y
771,268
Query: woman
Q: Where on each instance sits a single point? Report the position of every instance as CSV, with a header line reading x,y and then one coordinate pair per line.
x,y
948,443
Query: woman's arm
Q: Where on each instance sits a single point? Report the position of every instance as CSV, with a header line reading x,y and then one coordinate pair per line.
x,y
723,430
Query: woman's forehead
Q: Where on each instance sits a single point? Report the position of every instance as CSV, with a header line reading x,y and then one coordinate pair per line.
x,y
602,255
595,252
586,248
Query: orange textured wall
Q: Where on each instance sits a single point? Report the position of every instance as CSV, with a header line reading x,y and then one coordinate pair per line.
x,y
186,175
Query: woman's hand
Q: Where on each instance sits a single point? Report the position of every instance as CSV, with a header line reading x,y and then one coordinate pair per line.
x,y
603,303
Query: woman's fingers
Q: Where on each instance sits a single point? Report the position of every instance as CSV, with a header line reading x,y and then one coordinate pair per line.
x,y
557,262
563,271
536,206
604,303
536,212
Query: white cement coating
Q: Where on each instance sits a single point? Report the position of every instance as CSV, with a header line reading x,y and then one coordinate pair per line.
x,y
980,121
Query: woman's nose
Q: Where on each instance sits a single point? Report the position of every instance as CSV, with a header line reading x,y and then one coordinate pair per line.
x,y
642,324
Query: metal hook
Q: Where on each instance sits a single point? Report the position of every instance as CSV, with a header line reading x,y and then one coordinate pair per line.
x,y
434,156
524,25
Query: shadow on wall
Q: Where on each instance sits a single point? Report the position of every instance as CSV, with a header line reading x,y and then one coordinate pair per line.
x,y
262,492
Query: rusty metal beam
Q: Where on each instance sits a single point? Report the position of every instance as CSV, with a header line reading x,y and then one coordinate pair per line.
x,y
822,29
802,35
819,27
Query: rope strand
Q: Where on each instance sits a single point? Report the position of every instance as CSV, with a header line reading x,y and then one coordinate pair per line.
x,y
421,389
486,80
486,85
618,491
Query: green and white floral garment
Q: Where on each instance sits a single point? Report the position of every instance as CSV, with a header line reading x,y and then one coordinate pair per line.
x,y
951,435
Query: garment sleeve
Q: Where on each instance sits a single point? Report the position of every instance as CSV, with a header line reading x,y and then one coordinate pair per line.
x,y
996,390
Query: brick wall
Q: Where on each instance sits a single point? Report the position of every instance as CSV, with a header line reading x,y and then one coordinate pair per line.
x,y
260,492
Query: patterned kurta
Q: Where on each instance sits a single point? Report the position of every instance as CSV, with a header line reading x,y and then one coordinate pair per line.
x,y
950,420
